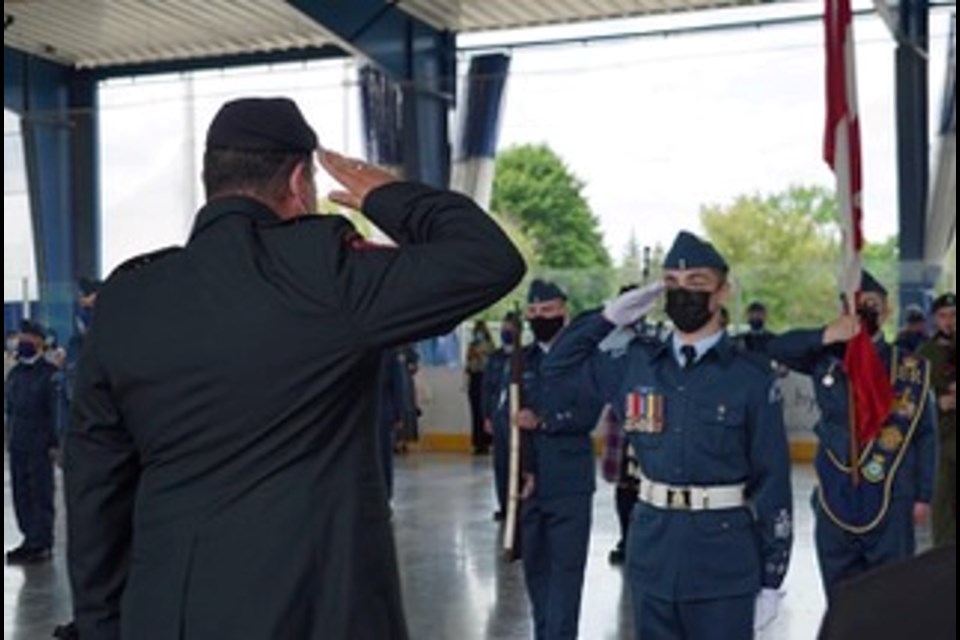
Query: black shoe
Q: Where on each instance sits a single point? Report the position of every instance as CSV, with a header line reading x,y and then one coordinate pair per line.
x,y
25,555
66,632
618,556
498,516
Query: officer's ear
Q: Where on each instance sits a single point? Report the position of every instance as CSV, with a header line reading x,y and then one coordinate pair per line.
x,y
724,289
300,182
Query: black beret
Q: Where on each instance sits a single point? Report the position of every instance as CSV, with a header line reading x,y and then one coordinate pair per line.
x,y
261,124
88,286
945,301
869,284
31,328
914,314
543,291
690,252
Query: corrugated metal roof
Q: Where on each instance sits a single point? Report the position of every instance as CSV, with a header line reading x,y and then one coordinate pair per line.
x,y
482,15
97,33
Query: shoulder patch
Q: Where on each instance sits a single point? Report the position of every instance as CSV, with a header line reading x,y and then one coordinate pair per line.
x,y
145,259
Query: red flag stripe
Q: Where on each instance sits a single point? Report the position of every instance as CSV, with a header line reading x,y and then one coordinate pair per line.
x,y
872,394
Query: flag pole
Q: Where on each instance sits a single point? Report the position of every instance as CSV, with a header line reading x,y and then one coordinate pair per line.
x,y
854,447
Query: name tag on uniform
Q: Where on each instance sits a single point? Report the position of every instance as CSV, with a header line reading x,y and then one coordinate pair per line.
x,y
645,411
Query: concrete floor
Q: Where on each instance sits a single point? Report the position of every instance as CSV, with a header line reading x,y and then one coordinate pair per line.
x,y
455,586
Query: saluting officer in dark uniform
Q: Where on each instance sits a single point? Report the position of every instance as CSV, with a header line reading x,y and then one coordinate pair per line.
x,y
559,481
865,522
222,462
711,533
32,394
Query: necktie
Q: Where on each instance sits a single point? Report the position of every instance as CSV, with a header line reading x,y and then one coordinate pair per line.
x,y
689,353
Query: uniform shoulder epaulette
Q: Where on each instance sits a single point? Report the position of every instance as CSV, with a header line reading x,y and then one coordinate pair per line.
x,y
141,261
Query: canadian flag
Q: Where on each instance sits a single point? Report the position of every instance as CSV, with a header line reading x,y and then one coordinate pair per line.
x,y
870,385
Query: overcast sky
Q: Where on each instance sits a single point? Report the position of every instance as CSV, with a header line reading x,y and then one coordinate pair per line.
x,y
656,127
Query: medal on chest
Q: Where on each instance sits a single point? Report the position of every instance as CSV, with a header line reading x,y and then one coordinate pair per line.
x,y
645,411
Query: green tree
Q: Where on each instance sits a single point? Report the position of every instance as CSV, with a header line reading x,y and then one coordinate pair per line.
x,y
948,282
784,249
535,192
631,268
534,187
882,260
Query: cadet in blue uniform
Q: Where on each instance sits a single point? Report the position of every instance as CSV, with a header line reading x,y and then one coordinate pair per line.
x,y
711,534
496,412
222,464
756,338
32,394
864,524
559,481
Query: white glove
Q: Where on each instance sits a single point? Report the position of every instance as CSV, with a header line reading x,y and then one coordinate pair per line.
x,y
633,305
767,608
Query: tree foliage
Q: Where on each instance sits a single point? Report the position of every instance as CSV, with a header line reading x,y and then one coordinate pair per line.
x,y
541,200
783,250
533,187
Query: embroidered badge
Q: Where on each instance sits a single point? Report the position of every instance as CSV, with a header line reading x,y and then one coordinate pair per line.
x,y
905,406
890,439
783,525
873,470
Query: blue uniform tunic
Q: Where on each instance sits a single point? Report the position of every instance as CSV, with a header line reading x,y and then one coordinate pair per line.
x,y
694,574
496,410
843,554
32,394
556,519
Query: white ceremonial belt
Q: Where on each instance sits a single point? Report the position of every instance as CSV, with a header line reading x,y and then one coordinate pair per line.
x,y
665,496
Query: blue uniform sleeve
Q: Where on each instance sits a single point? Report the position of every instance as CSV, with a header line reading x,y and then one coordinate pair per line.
x,y
101,473
578,367
925,443
53,408
492,385
797,350
768,488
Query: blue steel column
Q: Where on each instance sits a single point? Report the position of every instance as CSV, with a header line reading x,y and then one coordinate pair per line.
x,y
85,174
59,137
419,57
913,148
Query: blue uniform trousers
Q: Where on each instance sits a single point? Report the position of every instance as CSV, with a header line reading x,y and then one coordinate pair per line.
x,y
556,537
501,464
31,479
723,619
843,555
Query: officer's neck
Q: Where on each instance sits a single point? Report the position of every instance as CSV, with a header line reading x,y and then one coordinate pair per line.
x,y
709,330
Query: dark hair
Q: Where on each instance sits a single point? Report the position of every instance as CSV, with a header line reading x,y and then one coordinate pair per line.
x,y
265,173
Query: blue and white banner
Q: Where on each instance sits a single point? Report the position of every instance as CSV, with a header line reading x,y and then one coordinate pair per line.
x,y
381,106
479,127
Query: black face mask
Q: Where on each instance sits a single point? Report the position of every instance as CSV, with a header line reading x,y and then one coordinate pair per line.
x,y
546,329
689,310
869,319
757,324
